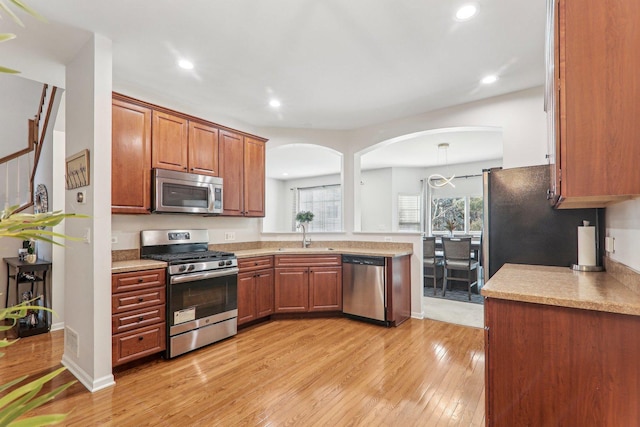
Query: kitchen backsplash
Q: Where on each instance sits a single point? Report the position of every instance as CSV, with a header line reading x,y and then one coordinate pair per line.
x,y
623,274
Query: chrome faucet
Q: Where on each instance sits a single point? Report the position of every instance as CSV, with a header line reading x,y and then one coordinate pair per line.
x,y
305,242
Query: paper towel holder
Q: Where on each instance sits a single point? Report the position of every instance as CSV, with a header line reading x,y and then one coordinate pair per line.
x,y
589,268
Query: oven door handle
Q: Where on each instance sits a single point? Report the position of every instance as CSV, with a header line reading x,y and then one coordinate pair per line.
x,y
184,278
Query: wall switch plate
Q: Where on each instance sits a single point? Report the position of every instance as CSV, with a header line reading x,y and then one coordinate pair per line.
x,y
229,235
81,197
609,244
86,238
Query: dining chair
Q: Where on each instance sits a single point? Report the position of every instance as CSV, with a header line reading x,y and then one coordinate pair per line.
x,y
457,257
431,261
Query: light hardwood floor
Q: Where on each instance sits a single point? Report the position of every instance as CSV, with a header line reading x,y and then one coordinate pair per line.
x,y
316,372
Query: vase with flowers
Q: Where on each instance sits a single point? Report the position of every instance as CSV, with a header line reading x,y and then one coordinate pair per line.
x,y
450,225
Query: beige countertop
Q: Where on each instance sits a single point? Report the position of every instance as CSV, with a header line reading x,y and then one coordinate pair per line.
x,y
247,253
126,266
136,265
561,286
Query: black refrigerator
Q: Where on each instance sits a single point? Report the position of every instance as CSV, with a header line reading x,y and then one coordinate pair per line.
x,y
521,226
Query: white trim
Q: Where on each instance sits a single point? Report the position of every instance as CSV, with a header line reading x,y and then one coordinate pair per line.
x,y
91,384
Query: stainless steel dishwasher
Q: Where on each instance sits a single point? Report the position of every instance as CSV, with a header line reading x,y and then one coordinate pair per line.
x,y
364,287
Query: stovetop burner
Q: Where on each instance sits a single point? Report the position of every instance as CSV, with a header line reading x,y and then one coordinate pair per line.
x,y
185,257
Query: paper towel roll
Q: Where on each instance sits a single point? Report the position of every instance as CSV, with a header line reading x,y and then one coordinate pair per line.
x,y
587,245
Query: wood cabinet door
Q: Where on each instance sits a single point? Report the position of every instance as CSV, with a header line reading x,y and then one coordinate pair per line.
x,y
264,293
203,149
325,289
130,158
169,143
246,297
231,152
599,88
254,178
291,292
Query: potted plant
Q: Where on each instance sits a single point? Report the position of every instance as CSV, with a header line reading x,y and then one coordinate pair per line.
x,y
450,225
304,217
26,396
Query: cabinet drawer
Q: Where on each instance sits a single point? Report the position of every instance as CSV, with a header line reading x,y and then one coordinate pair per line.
x,y
138,343
124,282
144,298
307,260
257,263
137,319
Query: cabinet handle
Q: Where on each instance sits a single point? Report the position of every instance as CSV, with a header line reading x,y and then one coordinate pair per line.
x,y
140,338
140,280
140,299
140,319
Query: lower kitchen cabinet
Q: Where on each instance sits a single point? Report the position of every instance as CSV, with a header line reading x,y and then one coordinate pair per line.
x,y
138,322
550,365
255,289
306,283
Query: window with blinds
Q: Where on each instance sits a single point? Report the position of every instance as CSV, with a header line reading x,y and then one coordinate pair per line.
x,y
326,204
409,212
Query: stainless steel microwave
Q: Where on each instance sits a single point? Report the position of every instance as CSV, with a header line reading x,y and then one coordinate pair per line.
x,y
181,192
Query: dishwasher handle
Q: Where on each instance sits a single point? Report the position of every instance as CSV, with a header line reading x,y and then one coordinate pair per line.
x,y
363,260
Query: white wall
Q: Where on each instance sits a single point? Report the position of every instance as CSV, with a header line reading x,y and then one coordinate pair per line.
x,y
19,102
88,264
376,208
126,228
277,213
623,224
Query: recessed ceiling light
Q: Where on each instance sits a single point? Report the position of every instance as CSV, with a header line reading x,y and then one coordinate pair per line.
x,y
466,12
285,174
489,79
187,65
275,103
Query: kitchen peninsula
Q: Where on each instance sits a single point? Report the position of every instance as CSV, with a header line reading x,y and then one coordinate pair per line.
x,y
561,348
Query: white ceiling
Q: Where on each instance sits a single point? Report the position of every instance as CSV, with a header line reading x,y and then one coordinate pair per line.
x,y
421,149
466,145
334,64
302,160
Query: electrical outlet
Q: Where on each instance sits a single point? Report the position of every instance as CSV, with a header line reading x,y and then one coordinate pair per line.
x,y
87,236
230,235
114,240
609,244
72,341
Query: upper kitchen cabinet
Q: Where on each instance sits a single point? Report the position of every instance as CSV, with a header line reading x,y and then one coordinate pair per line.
x,y
203,149
596,102
242,168
170,142
131,158
147,136
184,145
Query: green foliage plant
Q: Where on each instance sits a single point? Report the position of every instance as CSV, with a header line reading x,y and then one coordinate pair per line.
x,y
304,216
6,10
17,402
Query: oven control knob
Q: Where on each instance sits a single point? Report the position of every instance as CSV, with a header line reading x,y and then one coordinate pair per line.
x,y
182,268
221,263
191,267
229,262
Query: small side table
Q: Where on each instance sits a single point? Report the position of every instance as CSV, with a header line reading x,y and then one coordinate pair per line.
x,y
24,273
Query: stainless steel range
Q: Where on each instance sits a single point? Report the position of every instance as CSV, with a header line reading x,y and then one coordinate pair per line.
x,y
202,289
